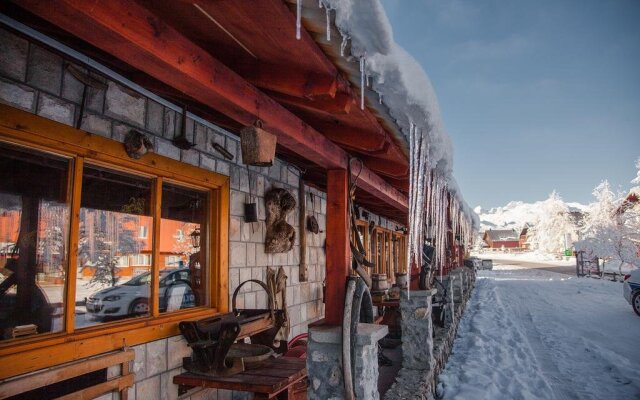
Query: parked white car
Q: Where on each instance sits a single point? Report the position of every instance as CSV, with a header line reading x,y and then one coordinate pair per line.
x,y
132,297
473,262
487,264
631,289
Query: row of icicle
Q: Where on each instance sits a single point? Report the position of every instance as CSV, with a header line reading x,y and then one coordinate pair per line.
x,y
364,78
430,205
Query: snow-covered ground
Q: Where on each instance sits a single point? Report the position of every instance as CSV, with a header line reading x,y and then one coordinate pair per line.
x,y
527,256
534,334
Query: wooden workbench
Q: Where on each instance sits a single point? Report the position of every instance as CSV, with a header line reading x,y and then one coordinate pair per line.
x,y
277,378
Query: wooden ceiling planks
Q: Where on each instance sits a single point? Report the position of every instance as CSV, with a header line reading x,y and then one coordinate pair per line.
x,y
297,73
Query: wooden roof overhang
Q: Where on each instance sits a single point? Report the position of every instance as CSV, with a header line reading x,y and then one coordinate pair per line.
x,y
235,61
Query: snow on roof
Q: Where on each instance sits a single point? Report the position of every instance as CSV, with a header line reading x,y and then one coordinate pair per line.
x,y
399,79
502,234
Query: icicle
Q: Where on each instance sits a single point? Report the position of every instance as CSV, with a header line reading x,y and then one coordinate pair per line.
x,y
319,3
410,244
328,25
343,45
362,74
379,98
298,18
368,80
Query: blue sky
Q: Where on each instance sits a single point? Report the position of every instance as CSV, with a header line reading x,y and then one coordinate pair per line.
x,y
536,95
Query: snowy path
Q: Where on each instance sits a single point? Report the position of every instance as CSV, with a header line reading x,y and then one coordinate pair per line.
x,y
534,334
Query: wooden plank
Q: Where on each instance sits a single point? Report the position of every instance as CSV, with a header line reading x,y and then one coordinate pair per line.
x,y
64,372
278,372
338,251
265,385
74,227
219,253
289,82
302,231
117,384
274,376
135,35
154,301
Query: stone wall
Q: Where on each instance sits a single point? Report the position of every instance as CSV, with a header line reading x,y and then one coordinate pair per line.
x,y
417,380
36,79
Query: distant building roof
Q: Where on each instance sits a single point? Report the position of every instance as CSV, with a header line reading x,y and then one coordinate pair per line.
x,y
501,234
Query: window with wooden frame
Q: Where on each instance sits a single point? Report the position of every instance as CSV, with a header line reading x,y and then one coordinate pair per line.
x,y
400,252
388,256
378,250
73,264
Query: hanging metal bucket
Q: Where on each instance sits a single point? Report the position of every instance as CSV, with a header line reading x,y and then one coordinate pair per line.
x,y
258,146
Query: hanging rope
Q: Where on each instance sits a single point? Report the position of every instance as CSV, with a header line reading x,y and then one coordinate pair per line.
x,y
277,284
358,252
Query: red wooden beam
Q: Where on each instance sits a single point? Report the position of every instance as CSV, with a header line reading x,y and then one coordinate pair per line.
x,y
288,81
323,105
135,35
338,251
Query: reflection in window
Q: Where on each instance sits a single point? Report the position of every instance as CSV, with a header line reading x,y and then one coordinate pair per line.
x,y
183,282
114,209
34,231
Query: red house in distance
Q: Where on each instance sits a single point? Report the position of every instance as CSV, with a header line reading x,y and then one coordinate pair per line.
x,y
501,238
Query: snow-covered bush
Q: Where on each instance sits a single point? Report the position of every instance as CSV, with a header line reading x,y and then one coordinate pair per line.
x,y
547,235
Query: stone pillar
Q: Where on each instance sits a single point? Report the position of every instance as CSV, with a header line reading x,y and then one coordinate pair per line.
x,y
465,279
461,286
417,329
450,304
324,362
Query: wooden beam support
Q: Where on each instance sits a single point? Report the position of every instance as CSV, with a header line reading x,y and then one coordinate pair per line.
x,y
288,81
135,35
340,104
337,248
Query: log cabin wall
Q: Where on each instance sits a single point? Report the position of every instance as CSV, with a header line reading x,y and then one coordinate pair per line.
x,y
34,78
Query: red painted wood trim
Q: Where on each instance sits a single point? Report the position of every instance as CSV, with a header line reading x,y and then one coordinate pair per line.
x,y
338,252
136,36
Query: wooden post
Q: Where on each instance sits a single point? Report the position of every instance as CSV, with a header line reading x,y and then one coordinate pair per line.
x,y
302,217
338,251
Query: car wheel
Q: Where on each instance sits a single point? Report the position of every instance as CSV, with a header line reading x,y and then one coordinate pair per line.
x,y
139,307
635,303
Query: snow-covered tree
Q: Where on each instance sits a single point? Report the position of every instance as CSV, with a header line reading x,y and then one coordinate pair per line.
x,y
636,180
547,234
612,226
113,236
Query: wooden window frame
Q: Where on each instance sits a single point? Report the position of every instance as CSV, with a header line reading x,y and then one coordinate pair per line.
x,y
19,356
360,223
401,261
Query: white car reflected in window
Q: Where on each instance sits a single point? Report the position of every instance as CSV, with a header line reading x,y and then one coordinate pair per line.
x,y
131,298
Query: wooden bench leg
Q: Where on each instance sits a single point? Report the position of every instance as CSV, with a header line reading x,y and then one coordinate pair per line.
x,y
124,393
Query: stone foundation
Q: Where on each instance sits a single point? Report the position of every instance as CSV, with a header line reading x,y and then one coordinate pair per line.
x,y
324,362
417,380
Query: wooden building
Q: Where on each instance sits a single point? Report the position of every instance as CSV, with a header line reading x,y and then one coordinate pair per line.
x,y
77,80
501,238
523,240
